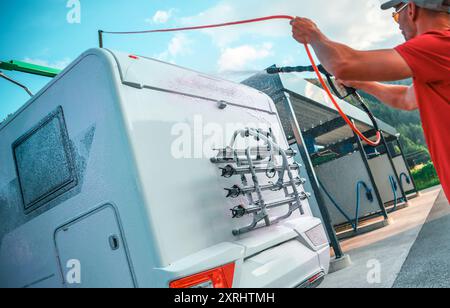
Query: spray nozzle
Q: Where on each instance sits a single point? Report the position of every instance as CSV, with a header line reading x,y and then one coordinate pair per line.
x,y
273,70
296,69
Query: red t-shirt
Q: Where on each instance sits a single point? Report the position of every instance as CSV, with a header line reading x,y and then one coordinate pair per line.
x,y
428,56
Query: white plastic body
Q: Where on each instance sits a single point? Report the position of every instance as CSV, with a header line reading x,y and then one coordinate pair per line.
x,y
169,215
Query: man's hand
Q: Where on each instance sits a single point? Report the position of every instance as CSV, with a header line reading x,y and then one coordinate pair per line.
x,y
305,31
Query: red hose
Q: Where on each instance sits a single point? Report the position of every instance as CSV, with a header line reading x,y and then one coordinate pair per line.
x,y
248,21
319,76
341,112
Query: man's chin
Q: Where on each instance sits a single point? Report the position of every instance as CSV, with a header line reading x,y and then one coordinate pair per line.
x,y
407,37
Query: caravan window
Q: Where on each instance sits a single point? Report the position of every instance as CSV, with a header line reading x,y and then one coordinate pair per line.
x,y
44,162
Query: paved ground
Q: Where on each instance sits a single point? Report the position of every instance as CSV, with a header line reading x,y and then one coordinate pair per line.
x,y
428,262
390,256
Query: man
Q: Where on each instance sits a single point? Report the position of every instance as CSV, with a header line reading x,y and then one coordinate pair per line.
x,y
425,57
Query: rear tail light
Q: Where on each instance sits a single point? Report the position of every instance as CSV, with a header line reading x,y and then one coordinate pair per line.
x,y
313,281
315,278
219,278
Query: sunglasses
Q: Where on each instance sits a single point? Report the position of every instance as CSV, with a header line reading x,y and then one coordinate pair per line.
x,y
396,15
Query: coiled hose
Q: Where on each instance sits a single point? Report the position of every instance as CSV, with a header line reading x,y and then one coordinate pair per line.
x,y
353,222
394,190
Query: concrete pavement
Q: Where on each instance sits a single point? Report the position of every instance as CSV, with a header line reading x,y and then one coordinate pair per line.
x,y
428,262
379,257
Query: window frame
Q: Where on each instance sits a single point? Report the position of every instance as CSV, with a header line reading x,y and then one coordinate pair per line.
x,y
61,188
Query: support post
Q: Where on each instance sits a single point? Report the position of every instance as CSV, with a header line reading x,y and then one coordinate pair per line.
x,y
100,38
313,178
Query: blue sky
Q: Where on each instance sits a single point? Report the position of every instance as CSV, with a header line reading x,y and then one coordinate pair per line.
x,y
38,32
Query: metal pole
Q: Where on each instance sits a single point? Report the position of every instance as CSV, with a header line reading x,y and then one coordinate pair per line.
x,y
375,187
16,83
100,38
407,167
313,178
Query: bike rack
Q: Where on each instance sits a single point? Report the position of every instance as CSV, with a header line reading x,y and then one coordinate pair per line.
x,y
260,160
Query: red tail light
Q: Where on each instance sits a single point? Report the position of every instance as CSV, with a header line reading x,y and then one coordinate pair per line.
x,y
220,278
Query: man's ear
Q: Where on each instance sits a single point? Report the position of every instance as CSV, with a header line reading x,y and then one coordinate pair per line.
x,y
413,11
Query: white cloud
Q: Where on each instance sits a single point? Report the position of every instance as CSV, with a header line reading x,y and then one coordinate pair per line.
x,y
60,64
222,12
241,57
361,24
160,17
179,45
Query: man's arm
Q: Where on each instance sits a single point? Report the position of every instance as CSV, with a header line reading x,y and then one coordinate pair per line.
x,y
349,64
400,97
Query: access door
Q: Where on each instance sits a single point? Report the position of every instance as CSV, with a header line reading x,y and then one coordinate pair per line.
x,y
92,252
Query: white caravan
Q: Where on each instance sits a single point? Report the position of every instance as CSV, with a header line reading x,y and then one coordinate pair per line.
x,y
122,172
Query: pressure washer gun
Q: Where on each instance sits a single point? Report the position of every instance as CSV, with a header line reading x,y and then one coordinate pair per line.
x,y
300,69
349,91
